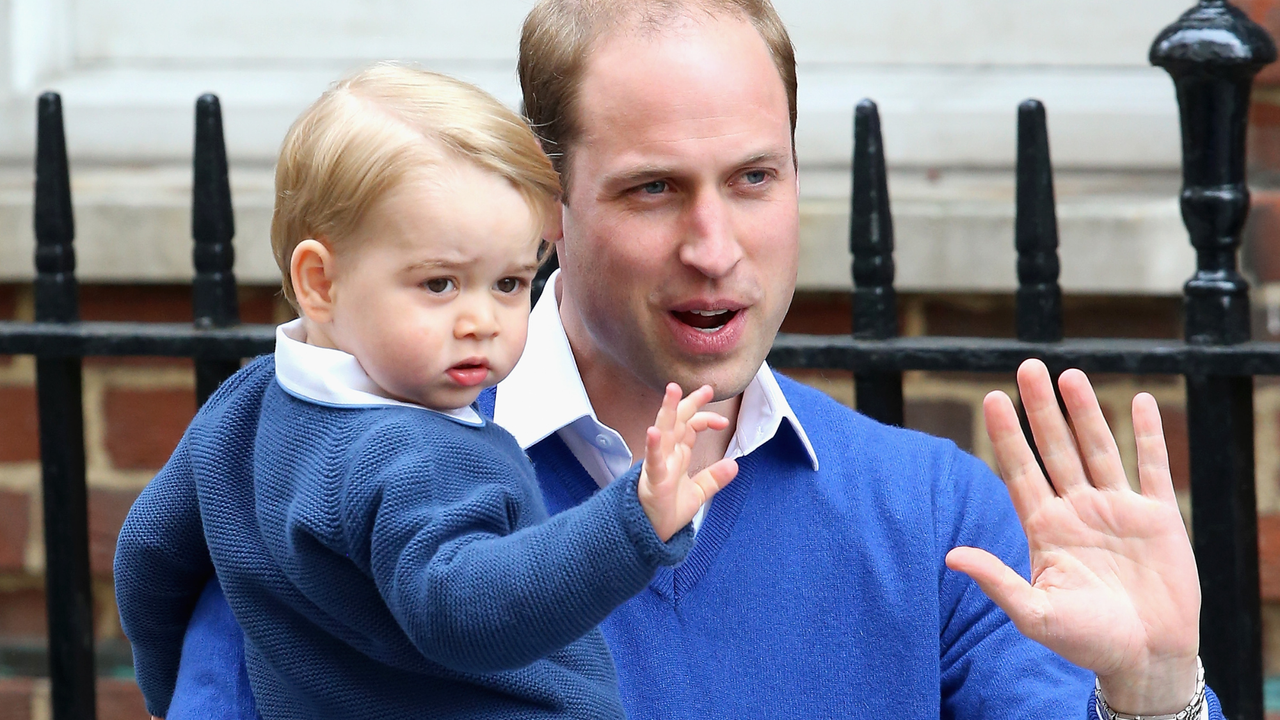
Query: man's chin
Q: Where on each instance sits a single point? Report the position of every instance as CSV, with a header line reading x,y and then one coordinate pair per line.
x,y
728,378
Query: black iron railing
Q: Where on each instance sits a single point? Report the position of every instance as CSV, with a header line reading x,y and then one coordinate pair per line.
x,y
1212,53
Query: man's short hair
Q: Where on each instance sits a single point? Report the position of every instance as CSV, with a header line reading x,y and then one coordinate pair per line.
x,y
372,130
558,35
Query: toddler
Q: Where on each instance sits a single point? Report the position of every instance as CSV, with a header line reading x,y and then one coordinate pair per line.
x,y
384,547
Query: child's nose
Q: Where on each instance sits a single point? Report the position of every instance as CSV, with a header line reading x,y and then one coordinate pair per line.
x,y
478,320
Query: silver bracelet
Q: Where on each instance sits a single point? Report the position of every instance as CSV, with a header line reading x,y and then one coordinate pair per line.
x,y
1190,712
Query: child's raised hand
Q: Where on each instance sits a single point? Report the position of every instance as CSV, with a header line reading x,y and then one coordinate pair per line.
x,y
670,497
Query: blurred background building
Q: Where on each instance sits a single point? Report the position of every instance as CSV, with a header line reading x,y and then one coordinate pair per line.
x,y
947,74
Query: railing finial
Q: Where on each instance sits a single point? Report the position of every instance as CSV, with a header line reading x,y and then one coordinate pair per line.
x,y
1039,300
1213,52
212,222
56,290
875,311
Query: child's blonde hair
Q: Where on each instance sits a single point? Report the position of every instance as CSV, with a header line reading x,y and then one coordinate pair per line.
x,y
372,129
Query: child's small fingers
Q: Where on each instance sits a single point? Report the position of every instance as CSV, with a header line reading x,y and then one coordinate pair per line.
x,y
708,420
655,463
693,402
667,411
714,478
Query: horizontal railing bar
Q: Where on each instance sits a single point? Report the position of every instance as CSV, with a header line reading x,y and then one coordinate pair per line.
x,y
942,354
83,339
961,354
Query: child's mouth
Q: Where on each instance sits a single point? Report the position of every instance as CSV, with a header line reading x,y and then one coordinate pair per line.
x,y
469,373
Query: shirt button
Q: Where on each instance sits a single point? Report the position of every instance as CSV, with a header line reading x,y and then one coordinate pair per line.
x,y
603,441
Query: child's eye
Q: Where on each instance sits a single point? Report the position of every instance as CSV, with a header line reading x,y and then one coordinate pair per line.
x,y
439,286
508,285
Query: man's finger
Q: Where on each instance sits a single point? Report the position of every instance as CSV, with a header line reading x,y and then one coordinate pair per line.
x,y
1153,453
1052,434
1005,587
1018,467
1096,443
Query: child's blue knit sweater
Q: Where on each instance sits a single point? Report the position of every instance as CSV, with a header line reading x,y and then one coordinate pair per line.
x,y
385,562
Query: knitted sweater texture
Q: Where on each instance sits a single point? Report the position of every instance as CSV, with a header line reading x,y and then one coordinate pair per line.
x,y
385,562
807,594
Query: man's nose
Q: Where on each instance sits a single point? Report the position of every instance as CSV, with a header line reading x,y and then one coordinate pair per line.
x,y
476,319
711,246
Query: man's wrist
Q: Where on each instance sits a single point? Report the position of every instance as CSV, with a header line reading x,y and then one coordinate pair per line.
x,y
1165,690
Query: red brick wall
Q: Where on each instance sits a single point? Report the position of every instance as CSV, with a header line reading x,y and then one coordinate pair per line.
x,y
135,411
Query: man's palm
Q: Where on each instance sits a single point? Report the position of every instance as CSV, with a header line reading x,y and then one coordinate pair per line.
x,y
1113,578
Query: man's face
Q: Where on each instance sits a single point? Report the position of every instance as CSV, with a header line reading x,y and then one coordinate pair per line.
x,y
681,222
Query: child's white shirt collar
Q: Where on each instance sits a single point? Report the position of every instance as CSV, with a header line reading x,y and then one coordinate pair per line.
x,y
332,377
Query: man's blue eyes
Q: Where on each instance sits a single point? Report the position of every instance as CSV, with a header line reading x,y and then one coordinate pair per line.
x,y
657,187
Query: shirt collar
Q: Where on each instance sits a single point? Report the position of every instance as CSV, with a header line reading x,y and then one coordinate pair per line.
x,y
544,393
327,376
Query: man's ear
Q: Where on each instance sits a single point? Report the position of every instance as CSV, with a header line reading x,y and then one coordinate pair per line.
x,y
554,230
312,269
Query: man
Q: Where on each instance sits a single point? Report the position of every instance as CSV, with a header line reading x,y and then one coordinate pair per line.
x,y
818,585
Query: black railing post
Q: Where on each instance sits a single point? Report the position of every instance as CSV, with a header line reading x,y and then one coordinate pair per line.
x,y
213,291
875,304
1038,312
1039,304
1213,52
58,388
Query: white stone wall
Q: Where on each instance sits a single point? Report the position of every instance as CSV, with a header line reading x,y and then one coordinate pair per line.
x,y
947,74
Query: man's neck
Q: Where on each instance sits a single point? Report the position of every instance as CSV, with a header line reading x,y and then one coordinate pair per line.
x,y
629,406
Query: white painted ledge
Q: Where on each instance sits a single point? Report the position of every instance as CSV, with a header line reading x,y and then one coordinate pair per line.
x,y
1120,233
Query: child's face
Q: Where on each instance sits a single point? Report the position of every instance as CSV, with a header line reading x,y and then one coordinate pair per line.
x,y
432,296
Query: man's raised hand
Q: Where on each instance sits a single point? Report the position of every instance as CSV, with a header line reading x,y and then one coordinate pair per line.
x,y
1113,580
670,497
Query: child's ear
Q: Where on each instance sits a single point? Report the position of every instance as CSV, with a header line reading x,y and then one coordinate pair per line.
x,y
311,269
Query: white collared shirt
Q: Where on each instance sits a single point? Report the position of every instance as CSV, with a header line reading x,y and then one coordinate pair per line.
x,y
544,394
332,377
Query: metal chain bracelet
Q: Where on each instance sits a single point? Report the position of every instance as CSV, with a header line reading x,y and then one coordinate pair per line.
x,y
1192,711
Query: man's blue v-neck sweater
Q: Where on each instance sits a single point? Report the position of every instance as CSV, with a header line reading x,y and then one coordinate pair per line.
x,y
384,562
824,593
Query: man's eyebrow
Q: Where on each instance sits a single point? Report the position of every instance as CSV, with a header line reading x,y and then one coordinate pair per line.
x,y
769,157
639,174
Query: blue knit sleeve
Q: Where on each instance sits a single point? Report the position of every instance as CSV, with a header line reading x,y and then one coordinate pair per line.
x,y
161,567
475,593
988,668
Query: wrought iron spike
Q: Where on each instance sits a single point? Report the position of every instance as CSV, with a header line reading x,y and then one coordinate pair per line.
x,y
56,291
1039,298
214,300
871,231
212,222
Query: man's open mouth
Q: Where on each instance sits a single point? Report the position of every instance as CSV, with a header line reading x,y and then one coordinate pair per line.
x,y
707,321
